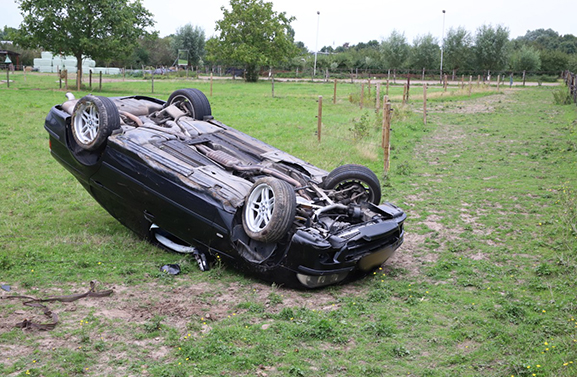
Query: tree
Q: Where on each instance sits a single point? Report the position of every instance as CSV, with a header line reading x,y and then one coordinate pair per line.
x,y
191,39
103,29
526,58
254,35
395,50
541,39
457,48
7,34
425,53
554,61
492,47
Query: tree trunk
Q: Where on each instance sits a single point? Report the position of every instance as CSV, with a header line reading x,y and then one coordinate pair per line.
x,y
251,73
78,70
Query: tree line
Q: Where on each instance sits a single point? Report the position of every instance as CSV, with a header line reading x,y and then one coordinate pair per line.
x,y
254,37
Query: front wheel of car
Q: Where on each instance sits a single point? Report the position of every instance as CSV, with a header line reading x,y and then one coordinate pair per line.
x,y
269,210
93,120
353,184
191,101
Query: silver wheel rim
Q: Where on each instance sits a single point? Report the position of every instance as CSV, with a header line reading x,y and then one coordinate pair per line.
x,y
86,123
260,205
184,104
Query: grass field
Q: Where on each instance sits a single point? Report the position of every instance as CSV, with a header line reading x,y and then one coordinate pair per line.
x,y
483,286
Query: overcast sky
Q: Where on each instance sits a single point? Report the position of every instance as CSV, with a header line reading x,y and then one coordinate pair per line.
x,y
357,21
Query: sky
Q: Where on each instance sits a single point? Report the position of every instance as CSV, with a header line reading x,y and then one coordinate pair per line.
x,y
364,20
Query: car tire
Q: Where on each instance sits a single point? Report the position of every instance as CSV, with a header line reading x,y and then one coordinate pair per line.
x,y
191,101
269,210
93,120
353,184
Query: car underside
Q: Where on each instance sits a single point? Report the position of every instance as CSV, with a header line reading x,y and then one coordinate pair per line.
x,y
176,176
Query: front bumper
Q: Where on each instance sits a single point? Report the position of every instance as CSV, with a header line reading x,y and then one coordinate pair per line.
x,y
318,262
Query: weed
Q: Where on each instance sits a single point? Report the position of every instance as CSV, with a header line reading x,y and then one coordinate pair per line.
x,y
153,325
361,127
562,96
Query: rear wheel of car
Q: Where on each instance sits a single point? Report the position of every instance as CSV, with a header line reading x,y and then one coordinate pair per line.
x,y
93,120
192,101
353,184
269,210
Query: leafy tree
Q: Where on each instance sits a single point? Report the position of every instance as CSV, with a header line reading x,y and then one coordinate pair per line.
x,y
457,52
395,50
492,47
152,51
541,39
553,61
254,35
191,39
8,33
526,58
425,53
101,29
568,44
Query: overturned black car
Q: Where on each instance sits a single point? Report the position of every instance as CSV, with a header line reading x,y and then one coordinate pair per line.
x,y
177,177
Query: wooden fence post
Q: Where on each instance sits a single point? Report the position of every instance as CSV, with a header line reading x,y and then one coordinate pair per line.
x,y
405,94
100,82
408,86
90,79
445,82
478,80
335,92
362,95
470,85
386,133
320,119
425,104
498,82
524,78
462,82
387,88
8,77
66,79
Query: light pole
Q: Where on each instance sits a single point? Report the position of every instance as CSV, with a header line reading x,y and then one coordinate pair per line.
x,y
317,44
442,46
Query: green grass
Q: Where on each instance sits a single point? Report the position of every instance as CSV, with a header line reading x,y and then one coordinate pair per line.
x,y
483,286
